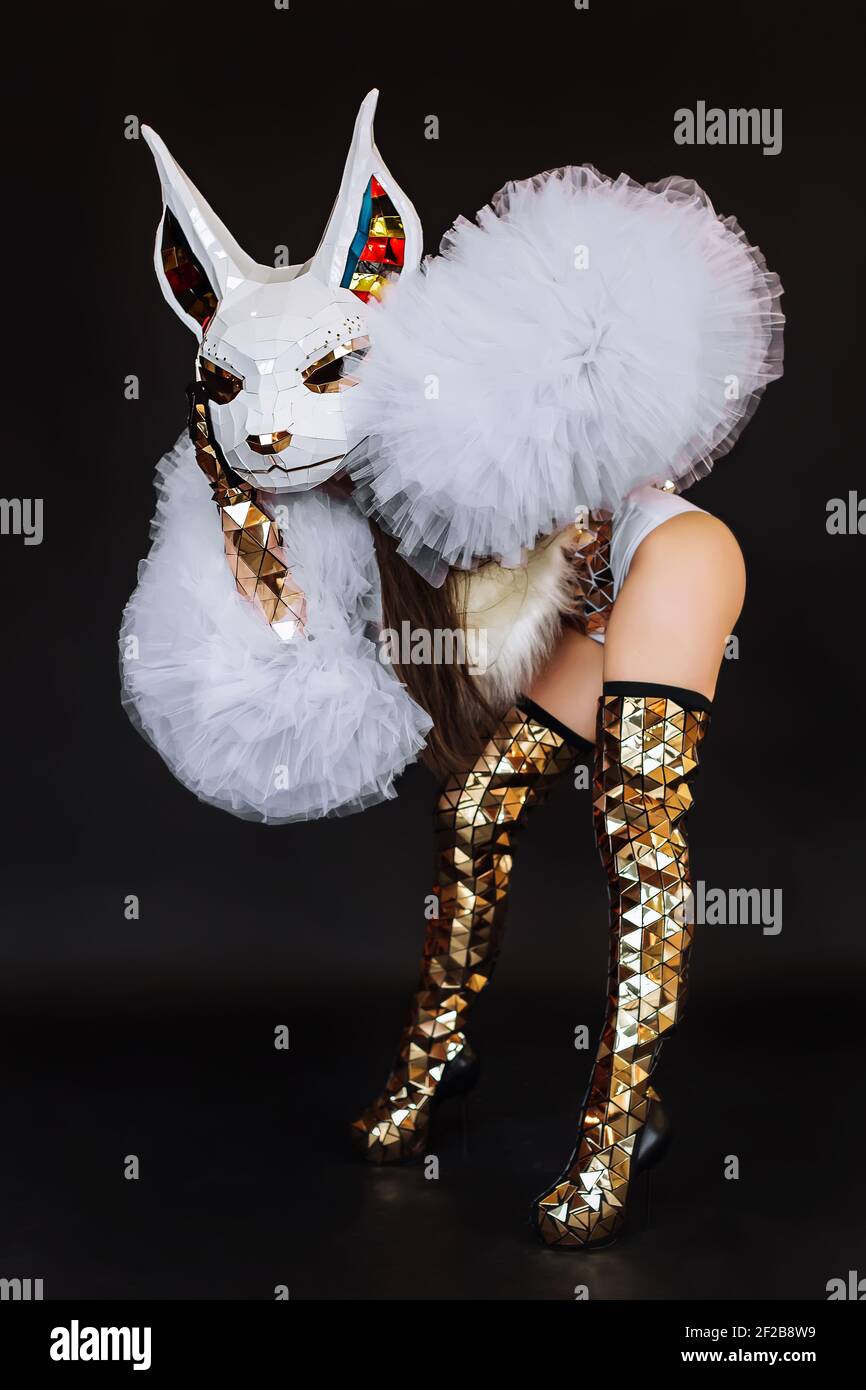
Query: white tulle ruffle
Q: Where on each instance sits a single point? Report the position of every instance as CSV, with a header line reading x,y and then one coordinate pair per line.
x,y
269,730
584,336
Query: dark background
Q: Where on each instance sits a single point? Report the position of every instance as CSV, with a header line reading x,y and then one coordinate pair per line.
x,y
154,1037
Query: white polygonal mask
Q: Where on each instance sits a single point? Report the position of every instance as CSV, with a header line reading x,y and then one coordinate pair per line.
x,y
274,341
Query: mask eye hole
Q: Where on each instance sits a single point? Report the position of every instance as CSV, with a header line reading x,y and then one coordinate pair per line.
x,y
329,374
220,386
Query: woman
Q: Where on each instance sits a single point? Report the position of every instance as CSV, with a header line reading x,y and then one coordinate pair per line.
x,y
536,398
637,704
588,341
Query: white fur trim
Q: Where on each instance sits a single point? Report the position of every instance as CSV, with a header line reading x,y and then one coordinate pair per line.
x,y
520,612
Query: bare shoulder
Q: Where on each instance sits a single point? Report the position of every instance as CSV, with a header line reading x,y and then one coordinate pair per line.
x,y
696,546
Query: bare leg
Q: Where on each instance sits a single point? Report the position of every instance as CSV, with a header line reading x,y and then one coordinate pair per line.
x,y
649,737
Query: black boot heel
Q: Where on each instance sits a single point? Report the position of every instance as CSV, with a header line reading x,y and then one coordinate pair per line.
x,y
460,1075
652,1144
654,1139
639,1201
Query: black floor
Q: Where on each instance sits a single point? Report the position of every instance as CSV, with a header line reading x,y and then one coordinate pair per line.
x,y
247,1180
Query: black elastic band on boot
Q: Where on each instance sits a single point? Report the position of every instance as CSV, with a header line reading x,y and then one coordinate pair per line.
x,y
549,721
686,699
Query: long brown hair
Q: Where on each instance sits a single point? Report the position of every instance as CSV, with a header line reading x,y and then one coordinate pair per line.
x,y
462,717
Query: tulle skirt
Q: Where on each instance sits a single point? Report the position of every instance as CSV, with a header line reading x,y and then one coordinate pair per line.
x,y
583,337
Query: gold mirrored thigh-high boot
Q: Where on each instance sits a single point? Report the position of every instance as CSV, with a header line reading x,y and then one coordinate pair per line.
x,y
478,816
649,739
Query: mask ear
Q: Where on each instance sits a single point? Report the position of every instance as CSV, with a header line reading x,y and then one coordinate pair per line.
x,y
197,260
373,231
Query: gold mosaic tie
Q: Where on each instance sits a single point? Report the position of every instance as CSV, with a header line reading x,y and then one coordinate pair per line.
x,y
251,539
